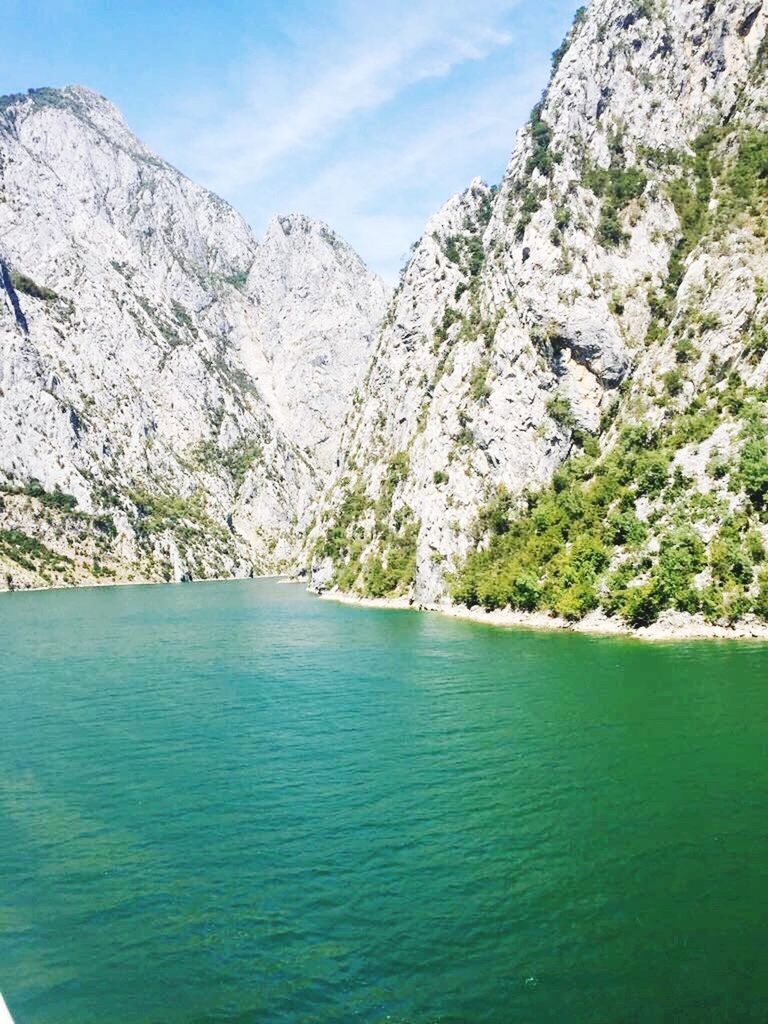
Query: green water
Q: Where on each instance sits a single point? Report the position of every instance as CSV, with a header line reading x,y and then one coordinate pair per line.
x,y
234,802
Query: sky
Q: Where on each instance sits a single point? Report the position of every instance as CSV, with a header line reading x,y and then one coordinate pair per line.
x,y
366,115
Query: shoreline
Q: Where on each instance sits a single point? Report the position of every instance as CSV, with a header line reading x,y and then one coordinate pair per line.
x,y
93,585
672,626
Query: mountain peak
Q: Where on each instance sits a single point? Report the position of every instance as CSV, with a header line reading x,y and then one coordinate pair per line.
x,y
135,305
301,233
77,98
282,225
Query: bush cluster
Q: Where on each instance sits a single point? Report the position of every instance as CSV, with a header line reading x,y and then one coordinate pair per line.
x,y
56,498
25,284
617,185
579,544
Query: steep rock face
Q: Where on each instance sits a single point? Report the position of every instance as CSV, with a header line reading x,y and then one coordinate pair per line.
x,y
149,349
536,319
318,308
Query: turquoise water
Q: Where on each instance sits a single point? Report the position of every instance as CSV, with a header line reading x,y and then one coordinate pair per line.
x,y
234,802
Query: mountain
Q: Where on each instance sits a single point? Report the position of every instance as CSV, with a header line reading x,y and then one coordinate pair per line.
x,y
566,408
561,410
171,389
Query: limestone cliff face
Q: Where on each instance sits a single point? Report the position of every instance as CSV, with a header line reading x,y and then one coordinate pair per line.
x,y
318,308
157,363
611,278
562,408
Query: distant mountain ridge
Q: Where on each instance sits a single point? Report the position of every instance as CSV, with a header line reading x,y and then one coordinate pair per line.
x,y
184,382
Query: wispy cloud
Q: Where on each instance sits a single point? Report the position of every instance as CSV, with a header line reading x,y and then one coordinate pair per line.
x,y
367,116
310,93
383,194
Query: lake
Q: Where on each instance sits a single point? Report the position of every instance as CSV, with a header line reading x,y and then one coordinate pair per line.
x,y
236,802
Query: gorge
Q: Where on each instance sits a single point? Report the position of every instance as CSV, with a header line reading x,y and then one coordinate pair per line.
x,y
560,410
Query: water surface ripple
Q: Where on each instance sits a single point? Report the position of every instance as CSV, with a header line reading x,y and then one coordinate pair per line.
x,y
234,802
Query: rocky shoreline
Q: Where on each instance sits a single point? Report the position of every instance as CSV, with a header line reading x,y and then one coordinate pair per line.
x,y
671,625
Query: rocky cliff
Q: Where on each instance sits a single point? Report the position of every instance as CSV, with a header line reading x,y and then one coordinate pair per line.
x,y
171,389
566,410
561,410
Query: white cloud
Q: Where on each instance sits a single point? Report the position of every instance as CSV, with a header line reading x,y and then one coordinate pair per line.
x,y
379,199
368,120
309,94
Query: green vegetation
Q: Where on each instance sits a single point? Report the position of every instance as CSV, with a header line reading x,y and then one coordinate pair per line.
x,y
238,459
757,342
42,97
673,382
685,351
748,177
541,158
237,279
738,188
31,554
753,468
617,186
761,601
57,513
392,573
105,525
486,206
710,194
531,199
479,388
388,538
559,408
185,517
182,317
336,544
691,202
56,498
466,251
644,8
581,543
235,460
29,287
562,49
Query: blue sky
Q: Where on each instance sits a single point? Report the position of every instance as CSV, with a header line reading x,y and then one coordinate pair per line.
x,y
366,115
